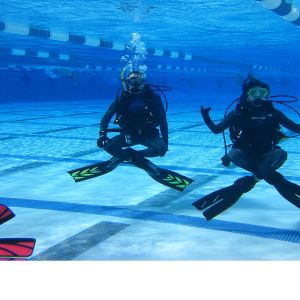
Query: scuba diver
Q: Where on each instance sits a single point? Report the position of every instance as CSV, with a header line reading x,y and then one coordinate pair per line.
x,y
254,128
139,111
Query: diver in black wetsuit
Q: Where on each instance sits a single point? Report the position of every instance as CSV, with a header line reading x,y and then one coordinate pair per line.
x,y
139,111
255,132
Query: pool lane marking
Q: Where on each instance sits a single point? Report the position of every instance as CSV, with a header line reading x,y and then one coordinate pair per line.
x,y
267,232
81,242
57,130
170,196
217,170
25,167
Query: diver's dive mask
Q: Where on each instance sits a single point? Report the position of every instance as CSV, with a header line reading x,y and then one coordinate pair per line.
x,y
135,82
257,95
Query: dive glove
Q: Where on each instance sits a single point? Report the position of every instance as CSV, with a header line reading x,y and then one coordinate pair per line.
x,y
205,111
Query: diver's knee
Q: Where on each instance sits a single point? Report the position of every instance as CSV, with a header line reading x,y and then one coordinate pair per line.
x,y
162,152
110,147
162,149
283,155
280,158
237,157
233,153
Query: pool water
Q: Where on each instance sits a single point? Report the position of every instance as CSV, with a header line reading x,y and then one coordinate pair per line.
x,y
53,94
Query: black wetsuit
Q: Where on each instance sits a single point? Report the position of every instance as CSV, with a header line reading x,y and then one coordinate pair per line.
x,y
254,132
139,116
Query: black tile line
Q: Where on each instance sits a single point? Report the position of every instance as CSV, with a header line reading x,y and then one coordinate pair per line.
x,y
170,196
57,130
27,121
50,124
37,118
81,114
181,112
81,242
52,160
53,136
97,124
25,167
52,117
90,125
180,121
83,153
219,169
268,232
16,111
189,127
193,131
94,139
34,165
8,138
78,154
13,136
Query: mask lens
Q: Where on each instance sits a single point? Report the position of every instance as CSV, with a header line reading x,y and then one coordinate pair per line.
x,y
258,92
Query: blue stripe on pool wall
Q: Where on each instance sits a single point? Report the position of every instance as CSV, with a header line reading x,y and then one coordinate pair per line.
x,y
128,213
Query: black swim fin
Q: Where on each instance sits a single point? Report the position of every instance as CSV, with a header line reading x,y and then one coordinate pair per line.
x,y
218,201
95,170
289,190
166,177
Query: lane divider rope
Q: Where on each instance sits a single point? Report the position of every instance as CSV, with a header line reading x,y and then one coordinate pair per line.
x,y
284,9
81,39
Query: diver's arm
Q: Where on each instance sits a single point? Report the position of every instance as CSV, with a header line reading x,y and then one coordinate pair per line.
x,y
217,128
164,129
107,116
163,123
287,123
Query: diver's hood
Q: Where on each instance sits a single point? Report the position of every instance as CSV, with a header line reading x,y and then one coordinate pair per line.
x,y
253,82
250,83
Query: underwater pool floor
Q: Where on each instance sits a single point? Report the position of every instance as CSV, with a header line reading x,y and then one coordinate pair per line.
x,y
126,215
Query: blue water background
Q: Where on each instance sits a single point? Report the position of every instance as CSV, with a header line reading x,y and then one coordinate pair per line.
x,y
50,125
